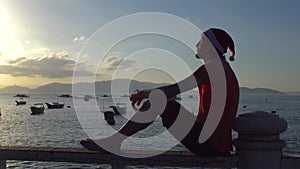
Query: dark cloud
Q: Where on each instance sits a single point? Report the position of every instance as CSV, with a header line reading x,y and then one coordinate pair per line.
x,y
57,65
115,62
16,61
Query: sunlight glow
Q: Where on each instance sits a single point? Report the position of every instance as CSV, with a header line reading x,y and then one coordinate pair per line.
x,y
10,47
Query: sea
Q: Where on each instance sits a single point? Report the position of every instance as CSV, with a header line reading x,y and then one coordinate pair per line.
x,y
64,127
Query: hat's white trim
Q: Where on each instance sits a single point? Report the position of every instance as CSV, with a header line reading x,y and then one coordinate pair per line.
x,y
211,36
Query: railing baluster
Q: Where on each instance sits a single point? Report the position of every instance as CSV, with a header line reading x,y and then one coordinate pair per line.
x,y
2,164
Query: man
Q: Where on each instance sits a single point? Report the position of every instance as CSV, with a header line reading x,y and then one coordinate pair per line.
x,y
211,48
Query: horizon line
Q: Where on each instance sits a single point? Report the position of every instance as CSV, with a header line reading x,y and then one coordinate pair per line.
x,y
32,88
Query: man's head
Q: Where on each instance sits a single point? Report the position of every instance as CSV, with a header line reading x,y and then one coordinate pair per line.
x,y
214,40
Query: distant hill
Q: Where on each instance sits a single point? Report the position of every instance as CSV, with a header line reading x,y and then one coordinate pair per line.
x,y
293,93
100,87
104,87
259,91
14,90
52,88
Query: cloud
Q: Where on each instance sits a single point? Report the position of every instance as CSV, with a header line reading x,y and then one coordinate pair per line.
x,y
78,39
16,60
115,62
48,64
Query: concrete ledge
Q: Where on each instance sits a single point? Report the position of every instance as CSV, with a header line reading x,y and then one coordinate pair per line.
x,y
76,155
290,161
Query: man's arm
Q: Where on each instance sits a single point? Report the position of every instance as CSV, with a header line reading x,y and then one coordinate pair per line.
x,y
186,84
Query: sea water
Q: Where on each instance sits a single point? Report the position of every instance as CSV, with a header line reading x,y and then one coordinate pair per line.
x,y
61,127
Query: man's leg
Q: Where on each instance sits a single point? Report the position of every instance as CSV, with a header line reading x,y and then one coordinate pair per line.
x,y
183,126
128,129
132,125
177,120
191,142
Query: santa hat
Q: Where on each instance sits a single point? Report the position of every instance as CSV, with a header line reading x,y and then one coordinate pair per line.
x,y
221,41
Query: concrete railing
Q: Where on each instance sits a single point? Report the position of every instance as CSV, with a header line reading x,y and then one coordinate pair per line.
x,y
74,155
258,146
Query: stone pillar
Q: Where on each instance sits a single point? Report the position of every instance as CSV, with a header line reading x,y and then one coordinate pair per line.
x,y
258,144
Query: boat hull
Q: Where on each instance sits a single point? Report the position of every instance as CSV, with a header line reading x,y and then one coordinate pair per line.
x,y
55,105
20,102
37,110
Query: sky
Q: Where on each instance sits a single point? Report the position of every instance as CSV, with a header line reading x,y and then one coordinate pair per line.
x,y
42,41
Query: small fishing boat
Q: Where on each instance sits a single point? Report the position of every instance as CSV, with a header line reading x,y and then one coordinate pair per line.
x,y
87,97
177,97
55,105
65,95
106,95
21,95
109,117
37,108
20,102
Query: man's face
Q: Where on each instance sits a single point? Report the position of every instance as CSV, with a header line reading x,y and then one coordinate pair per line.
x,y
203,47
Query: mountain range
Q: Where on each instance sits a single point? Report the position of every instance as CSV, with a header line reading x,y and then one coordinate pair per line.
x,y
101,87
104,87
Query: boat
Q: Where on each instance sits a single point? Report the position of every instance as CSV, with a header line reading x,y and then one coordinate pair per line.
x,y
55,105
119,108
65,95
37,108
87,97
109,117
21,95
106,95
177,97
20,102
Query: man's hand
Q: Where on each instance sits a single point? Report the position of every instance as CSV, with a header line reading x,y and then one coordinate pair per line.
x,y
138,96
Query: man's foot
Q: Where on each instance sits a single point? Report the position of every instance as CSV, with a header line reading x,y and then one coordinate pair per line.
x,y
91,145
108,144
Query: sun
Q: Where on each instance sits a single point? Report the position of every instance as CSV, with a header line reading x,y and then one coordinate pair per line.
x,y
10,47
